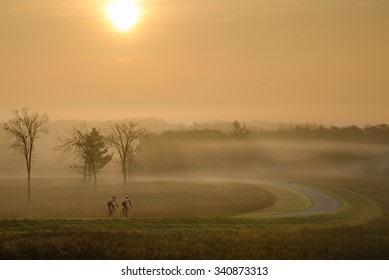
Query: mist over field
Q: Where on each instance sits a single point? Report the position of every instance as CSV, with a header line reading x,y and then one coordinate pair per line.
x,y
264,158
175,152
209,153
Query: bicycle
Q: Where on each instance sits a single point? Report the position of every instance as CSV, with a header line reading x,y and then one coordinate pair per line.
x,y
125,212
111,213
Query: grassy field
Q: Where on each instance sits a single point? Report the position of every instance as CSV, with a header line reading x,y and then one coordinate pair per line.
x,y
70,198
358,231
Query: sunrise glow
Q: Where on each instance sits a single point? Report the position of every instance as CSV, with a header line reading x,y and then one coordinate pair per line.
x,y
123,14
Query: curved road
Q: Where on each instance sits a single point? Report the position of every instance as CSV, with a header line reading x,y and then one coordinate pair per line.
x,y
321,202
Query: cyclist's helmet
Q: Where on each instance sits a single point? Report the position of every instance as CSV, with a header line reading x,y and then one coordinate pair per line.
x,y
126,196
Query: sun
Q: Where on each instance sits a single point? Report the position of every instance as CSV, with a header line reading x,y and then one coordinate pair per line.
x,y
123,14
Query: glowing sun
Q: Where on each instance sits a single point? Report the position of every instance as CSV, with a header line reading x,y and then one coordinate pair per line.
x,y
123,14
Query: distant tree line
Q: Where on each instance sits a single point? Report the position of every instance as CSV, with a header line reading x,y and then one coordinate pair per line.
x,y
237,130
378,134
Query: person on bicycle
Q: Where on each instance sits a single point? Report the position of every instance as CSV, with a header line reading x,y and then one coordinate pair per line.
x,y
112,204
126,202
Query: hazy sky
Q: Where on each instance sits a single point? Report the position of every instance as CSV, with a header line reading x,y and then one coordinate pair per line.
x,y
324,61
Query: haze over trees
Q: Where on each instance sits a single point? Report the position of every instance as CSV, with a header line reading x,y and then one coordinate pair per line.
x,y
209,146
89,148
26,128
124,139
239,130
372,134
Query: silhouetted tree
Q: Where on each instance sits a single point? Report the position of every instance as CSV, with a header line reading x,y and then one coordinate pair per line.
x,y
377,133
73,145
239,130
124,138
132,160
26,127
97,152
90,148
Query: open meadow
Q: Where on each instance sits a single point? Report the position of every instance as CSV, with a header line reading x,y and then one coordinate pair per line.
x,y
71,198
173,220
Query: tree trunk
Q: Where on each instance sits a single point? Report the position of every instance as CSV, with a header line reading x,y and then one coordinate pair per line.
x,y
28,186
124,173
125,178
94,174
84,172
28,166
90,172
95,179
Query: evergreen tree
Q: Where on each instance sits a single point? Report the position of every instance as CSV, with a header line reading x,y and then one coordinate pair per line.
x,y
97,152
239,131
89,148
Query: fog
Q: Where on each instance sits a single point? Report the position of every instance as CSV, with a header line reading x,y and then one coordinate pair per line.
x,y
59,192
161,156
264,158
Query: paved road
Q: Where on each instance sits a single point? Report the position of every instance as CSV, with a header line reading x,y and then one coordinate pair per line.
x,y
321,202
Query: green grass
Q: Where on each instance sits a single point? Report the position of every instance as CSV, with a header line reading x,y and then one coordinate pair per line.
x,y
287,201
357,208
186,238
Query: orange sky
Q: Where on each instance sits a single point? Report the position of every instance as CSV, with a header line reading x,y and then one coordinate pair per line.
x,y
324,61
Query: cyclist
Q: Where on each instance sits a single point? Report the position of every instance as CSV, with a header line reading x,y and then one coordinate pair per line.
x,y
112,204
126,202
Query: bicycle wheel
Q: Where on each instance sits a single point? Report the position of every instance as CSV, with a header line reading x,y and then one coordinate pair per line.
x,y
110,214
129,212
124,213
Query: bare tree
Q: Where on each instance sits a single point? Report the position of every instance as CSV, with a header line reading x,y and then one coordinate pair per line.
x,y
88,147
124,138
26,127
74,145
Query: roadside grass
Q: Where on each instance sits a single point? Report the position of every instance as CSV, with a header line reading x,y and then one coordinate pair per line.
x,y
287,201
355,208
358,206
